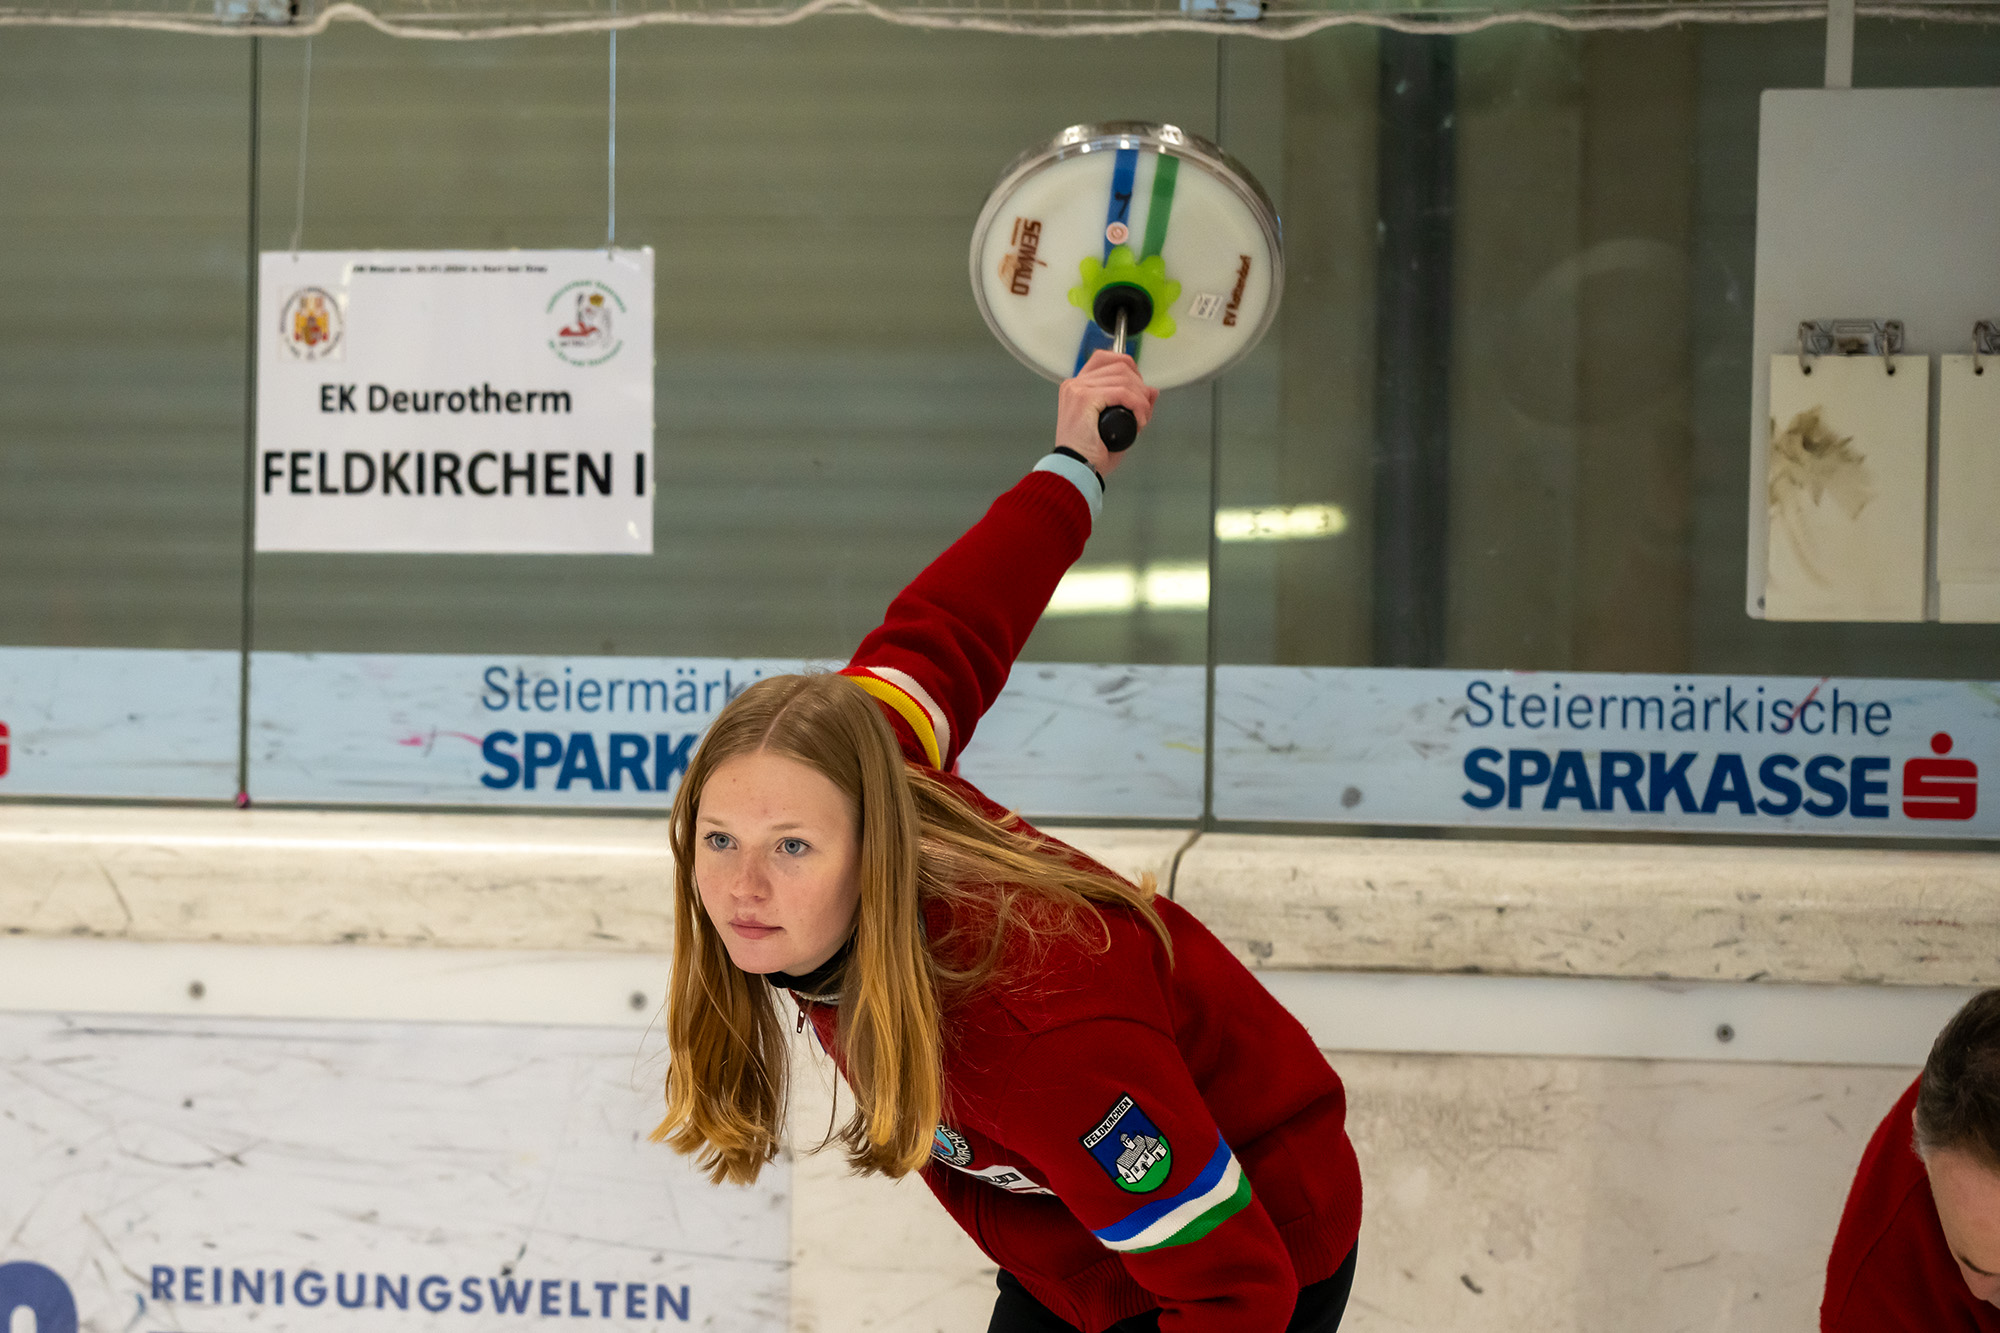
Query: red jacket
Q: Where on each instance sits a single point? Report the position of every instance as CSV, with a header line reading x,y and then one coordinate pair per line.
x,y
1122,1132
1891,1271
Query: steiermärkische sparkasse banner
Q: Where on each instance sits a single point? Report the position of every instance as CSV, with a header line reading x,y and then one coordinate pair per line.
x,y
456,401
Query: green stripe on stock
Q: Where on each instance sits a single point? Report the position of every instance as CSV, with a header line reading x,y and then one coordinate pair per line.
x,y
1158,211
1162,205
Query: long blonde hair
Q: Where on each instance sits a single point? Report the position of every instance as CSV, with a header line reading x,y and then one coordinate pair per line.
x,y
920,841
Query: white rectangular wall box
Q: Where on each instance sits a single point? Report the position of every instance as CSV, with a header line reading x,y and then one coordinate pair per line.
x,y
1872,203
1968,487
1844,488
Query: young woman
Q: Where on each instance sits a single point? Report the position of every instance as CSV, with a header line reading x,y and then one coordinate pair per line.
x,y
1092,1085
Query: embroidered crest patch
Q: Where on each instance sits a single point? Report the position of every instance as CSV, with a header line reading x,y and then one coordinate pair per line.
x,y
949,1146
1130,1148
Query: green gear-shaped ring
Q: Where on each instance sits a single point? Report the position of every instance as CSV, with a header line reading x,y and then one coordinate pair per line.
x,y
1148,274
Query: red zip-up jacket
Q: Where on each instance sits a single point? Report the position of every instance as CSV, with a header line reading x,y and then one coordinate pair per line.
x,y
1123,1132
1891,1270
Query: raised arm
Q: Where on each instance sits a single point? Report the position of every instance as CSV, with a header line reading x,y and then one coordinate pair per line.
x,y
943,652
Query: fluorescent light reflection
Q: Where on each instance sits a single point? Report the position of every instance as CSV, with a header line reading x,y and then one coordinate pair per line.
x,y
1174,587
1096,590
1280,523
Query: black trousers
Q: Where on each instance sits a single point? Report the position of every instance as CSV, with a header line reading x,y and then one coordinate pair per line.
x,y
1318,1311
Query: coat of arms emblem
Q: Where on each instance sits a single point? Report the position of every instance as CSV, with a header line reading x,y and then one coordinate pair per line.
x,y
1130,1148
310,324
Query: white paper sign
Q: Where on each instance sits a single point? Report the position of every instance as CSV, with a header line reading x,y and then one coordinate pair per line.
x,y
170,1175
456,401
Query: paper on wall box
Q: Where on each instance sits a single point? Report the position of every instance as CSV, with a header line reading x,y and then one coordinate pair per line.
x,y
1845,490
1968,534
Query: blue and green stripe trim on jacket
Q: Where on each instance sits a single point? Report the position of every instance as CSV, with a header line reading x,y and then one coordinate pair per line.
x,y
1217,1194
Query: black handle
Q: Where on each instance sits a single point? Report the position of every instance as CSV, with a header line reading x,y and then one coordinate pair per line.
x,y
1117,427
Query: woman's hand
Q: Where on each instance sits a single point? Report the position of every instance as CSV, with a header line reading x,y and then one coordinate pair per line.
x,y
1106,380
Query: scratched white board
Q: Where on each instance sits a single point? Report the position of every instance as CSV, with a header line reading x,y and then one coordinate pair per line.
x,y
446,729
293,1177
118,722
1069,739
452,729
1597,750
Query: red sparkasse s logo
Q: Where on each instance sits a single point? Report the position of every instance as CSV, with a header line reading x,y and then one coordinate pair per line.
x,y
3,749
1940,788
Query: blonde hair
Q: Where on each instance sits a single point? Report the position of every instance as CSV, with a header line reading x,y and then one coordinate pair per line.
x,y
920,842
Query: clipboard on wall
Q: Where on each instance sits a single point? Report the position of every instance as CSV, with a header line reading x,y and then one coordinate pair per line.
x,y
1968,510
1845,487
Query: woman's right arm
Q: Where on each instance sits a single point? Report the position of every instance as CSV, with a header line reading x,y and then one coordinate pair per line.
x,y
944,650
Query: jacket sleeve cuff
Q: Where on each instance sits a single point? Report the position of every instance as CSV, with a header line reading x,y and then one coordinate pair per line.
x,y
1078,475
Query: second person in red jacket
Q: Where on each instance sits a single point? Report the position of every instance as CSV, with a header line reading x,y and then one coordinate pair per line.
x,y
1106,1100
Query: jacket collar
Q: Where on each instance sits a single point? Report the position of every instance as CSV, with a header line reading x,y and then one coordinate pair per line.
x,y
822,984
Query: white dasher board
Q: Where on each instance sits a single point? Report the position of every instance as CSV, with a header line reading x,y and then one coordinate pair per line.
x,y
182,1175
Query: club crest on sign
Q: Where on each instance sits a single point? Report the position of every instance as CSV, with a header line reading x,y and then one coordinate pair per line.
x,y
581,319
1130,1148
310,324
949,1146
